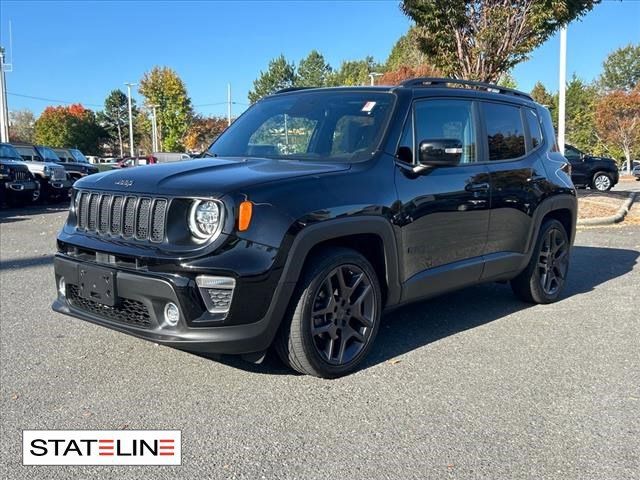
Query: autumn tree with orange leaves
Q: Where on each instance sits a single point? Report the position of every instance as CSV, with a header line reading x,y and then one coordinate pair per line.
x,y
73,126
618,121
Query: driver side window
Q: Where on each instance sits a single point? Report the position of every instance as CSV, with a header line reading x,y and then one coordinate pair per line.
x,y
450,120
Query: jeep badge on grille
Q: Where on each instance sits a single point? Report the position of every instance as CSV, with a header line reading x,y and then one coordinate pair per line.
x,y
124,182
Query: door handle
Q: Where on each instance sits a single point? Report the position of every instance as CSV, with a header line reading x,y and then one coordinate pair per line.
x,y
477,187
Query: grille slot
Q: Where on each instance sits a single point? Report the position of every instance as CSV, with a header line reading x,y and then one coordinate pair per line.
x,y
142,222
142,218
157,220
127,311
116,216
129,216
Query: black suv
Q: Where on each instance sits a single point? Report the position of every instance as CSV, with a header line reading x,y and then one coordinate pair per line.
x,y
17,183
600,173
317,210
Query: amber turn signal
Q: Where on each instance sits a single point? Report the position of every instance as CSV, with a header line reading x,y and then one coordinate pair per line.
x,y
244,215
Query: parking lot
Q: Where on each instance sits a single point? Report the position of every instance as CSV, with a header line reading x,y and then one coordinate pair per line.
x,y
474,384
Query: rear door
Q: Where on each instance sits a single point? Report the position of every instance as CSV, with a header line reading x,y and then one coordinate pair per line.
x,y
513,141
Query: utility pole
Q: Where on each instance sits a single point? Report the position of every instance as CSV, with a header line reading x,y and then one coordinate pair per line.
x,y
154,129
562,88
132,150
4,110
228,104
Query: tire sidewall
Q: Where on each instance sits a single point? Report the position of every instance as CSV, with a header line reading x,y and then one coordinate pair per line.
x,y
306,319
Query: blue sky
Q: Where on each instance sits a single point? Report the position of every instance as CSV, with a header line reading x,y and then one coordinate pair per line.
x,y
78,52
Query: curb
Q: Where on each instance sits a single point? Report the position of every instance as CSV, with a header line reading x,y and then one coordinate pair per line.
x,y
610,220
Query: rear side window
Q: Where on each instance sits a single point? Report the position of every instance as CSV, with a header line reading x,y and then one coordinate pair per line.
x,y
505,132
534,127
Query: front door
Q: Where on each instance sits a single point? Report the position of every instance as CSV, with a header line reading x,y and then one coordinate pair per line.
x,y
444,211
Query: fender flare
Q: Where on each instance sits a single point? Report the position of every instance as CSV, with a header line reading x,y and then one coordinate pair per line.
x,y
320,232
562,201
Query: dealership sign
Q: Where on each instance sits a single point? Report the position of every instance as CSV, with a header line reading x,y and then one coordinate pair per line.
x,y
101,447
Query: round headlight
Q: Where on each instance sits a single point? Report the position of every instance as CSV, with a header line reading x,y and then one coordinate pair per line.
x,y
204,219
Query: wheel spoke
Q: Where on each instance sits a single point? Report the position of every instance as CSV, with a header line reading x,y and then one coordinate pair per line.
x,y
342,285
320,329
343,347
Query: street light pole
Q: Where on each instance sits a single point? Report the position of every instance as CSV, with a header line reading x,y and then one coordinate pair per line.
x,y
562,88
4,109
154,129
373,76
131,147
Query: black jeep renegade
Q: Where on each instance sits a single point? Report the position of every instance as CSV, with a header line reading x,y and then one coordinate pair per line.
x,y
316,211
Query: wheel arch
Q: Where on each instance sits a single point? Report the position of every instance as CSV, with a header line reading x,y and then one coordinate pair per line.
x,y
373,237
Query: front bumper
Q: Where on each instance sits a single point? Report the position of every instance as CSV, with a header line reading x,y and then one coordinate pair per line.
x,y
140,312
21,187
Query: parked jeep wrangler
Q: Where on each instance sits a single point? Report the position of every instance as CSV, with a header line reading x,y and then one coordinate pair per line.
x,y
316,211
55,184
17,184
600,173
76,167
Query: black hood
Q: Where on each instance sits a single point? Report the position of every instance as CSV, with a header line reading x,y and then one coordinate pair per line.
x,y
203,177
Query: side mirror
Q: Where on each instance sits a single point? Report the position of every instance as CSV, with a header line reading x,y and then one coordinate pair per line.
x,y
440,152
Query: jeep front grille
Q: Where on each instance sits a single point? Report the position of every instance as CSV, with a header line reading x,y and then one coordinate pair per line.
x,y
128,216
20,175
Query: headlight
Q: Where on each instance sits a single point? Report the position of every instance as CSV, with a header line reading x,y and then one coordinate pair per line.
x,y
205,219
48,171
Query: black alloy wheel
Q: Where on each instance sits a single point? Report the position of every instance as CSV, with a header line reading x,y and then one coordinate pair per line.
x,y
553,261
334,314
343,312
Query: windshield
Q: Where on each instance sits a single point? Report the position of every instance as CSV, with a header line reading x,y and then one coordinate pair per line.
x,y
78,155
48,154
7,151
322,125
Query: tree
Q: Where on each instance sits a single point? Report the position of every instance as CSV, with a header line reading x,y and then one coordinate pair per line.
x,y
163,87
72,126
406,53
506,80
355,72
480,40
618,120
404,72
621,69
580,115
541,95
22,126
280,74
202,131
313,71
115,118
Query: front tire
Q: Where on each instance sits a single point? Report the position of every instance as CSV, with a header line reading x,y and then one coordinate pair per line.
x,y
334,315
544,278
602,182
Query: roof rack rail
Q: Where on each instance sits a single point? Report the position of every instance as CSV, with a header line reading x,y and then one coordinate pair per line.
x,y
291,89
443,82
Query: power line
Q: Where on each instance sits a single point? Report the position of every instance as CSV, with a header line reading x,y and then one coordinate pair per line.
x,y
53,100
44,99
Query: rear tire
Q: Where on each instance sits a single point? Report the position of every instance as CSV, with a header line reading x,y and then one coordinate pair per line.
x,y
545,276
602,182
334,315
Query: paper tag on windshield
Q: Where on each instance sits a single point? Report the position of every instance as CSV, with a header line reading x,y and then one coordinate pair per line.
x,y
368,106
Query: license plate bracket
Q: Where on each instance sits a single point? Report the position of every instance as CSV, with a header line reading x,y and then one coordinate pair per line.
x,y
97,284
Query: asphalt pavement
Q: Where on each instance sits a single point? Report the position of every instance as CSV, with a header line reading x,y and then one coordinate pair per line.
x,y
474,384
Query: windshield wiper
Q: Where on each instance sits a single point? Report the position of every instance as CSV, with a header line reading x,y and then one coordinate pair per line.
x,y
207,153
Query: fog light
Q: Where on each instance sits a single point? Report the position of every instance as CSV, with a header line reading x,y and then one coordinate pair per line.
x,y
171,314
62,287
